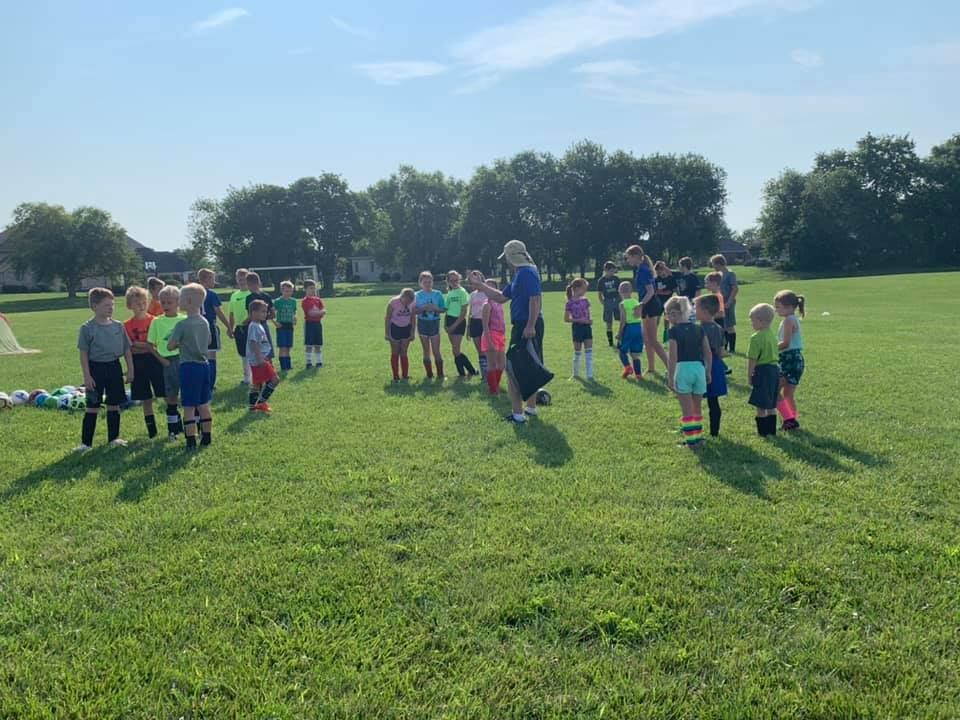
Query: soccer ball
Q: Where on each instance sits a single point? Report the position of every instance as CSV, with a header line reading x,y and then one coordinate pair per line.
x,y
543,397
33,395
5,402
63,402
78,402
41,399
51,402
20,397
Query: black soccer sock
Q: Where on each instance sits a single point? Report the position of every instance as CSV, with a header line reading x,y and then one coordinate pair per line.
x,y
468,366
771,425
610,338
715,414
458,361
190,432
151,422
266,392
89,427
732,342
254,396
760,426
113,425
206,432
174,424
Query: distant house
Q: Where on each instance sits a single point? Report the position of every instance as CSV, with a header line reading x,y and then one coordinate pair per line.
x,y
735,252
364,268
155,262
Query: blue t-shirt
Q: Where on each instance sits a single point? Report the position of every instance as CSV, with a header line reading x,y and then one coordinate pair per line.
x,y
642,277
525,285
210,304
434,297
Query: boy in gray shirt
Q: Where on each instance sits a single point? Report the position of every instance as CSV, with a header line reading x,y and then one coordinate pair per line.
x,y
102,342
191,337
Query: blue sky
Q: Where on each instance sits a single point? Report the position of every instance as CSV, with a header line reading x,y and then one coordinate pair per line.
x,y
140,108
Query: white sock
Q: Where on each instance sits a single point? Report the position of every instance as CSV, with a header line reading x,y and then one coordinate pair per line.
x,y
247,372
589,363
309,356
576,363
531,410
519,417
319,355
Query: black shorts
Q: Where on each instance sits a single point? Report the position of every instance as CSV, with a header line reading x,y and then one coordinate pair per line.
x,y
147,378
476,328
516,337
581,333
313,334
766,387
240,339
448,323
654,308
611,310
214,337
108,378
399,334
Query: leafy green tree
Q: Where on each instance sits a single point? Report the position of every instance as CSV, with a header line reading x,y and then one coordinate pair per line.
x,y
781,225
935,212
490,216
53,244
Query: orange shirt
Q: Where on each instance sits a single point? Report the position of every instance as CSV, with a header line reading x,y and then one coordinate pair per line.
x,y
155,308
137,330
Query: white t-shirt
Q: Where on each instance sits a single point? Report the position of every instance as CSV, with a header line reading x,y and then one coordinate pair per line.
x,y
257,334
477,301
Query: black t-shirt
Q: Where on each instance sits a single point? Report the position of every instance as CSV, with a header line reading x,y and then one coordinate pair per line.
x,y
688,284
260,296
714,335
689,339
610,288
664,287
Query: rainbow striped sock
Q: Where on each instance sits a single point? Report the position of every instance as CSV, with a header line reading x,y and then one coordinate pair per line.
x,y
692,429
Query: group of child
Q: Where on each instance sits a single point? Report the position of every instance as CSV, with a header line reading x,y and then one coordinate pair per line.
x,y
170,345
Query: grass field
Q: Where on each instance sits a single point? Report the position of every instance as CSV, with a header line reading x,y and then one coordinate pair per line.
x,y
374,551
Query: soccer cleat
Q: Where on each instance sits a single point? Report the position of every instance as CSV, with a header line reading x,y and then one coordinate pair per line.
x,y
627,373
309,366
263,407
118,442
81,449
531,412
511,418
172,437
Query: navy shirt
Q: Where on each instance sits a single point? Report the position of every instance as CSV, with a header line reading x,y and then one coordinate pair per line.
x,y
688,284
525,285
210,304
642,277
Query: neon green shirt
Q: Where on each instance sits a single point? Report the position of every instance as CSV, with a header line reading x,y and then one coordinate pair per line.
x,y
238,306
629,306
160,331
763,347
456,300
286,310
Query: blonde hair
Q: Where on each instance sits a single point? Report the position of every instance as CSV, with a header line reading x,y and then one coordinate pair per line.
x,y
241,271
686,263
625,285
170,291
253,276
192,295
634,250
718,260
791,299
286,284
455,274
135,292
679,304
764,312
204,273
714,277
425,273
407,293
97,295
576,285
155,283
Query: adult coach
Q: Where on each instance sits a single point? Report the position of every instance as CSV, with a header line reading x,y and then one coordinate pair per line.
x,y
526,302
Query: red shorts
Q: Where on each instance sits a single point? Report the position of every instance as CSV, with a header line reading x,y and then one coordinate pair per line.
x,y
499,341
263,373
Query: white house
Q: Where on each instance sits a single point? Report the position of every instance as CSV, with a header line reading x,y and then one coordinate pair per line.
x,y
365,269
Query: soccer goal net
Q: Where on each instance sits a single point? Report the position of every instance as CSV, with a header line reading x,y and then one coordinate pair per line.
x,y
294,273
8,341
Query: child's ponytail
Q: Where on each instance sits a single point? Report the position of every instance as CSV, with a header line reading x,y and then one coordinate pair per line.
x,y
570,291
801,303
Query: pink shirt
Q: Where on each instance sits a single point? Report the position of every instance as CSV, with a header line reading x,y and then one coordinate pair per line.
x,y
579,308
477,301
497,323
400,313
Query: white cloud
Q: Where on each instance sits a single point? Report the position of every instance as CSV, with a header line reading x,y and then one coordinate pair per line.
x,y
218,20
945,53
394,73
809,59
576,26
346,27
611,68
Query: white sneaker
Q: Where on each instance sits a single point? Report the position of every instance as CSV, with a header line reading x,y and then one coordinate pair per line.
x,y
531,411
118,442
81,449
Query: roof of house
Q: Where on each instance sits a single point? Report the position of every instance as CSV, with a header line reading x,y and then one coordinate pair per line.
x,y
729,245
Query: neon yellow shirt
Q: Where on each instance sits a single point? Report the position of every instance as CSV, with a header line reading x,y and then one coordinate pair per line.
x,y
629,306
160,331
238,306
455,300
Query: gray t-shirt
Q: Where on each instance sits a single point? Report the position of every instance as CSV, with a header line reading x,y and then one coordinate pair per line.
x,y
714,335
727,283
689,339
193,336
103,342
256,334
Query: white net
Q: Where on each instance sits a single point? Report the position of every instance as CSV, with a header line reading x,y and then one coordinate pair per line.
x,y
8,341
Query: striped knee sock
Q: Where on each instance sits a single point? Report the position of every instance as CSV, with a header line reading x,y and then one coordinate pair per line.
x,y
484,367
692,429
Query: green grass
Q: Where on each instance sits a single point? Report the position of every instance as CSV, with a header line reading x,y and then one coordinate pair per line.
x,y
372,551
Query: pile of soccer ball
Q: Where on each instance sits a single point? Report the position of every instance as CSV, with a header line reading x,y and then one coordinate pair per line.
x,y
67,397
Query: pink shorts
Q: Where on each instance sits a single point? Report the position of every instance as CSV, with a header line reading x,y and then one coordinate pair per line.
x,y
499,341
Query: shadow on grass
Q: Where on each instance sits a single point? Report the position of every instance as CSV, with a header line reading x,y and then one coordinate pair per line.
x,y
740,467
653,385
593,387
301,375
825,452
139,467
234,397
550,446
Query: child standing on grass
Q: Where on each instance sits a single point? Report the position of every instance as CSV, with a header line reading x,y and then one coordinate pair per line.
x,y
314,312
763,373
161,328
102,342
630,336
707,306
787,304
148,372
265,378
398,330
237,320
608,293
429,305
494,342
729,289
256,293
577,312
212,311
688,283
155,285
191,338
475,328
286,308
456,301
690,369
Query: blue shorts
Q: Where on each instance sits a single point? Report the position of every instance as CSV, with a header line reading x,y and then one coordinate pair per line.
x,y
285,336
718,378
313,334
194,384
690,378
428,328
632,339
